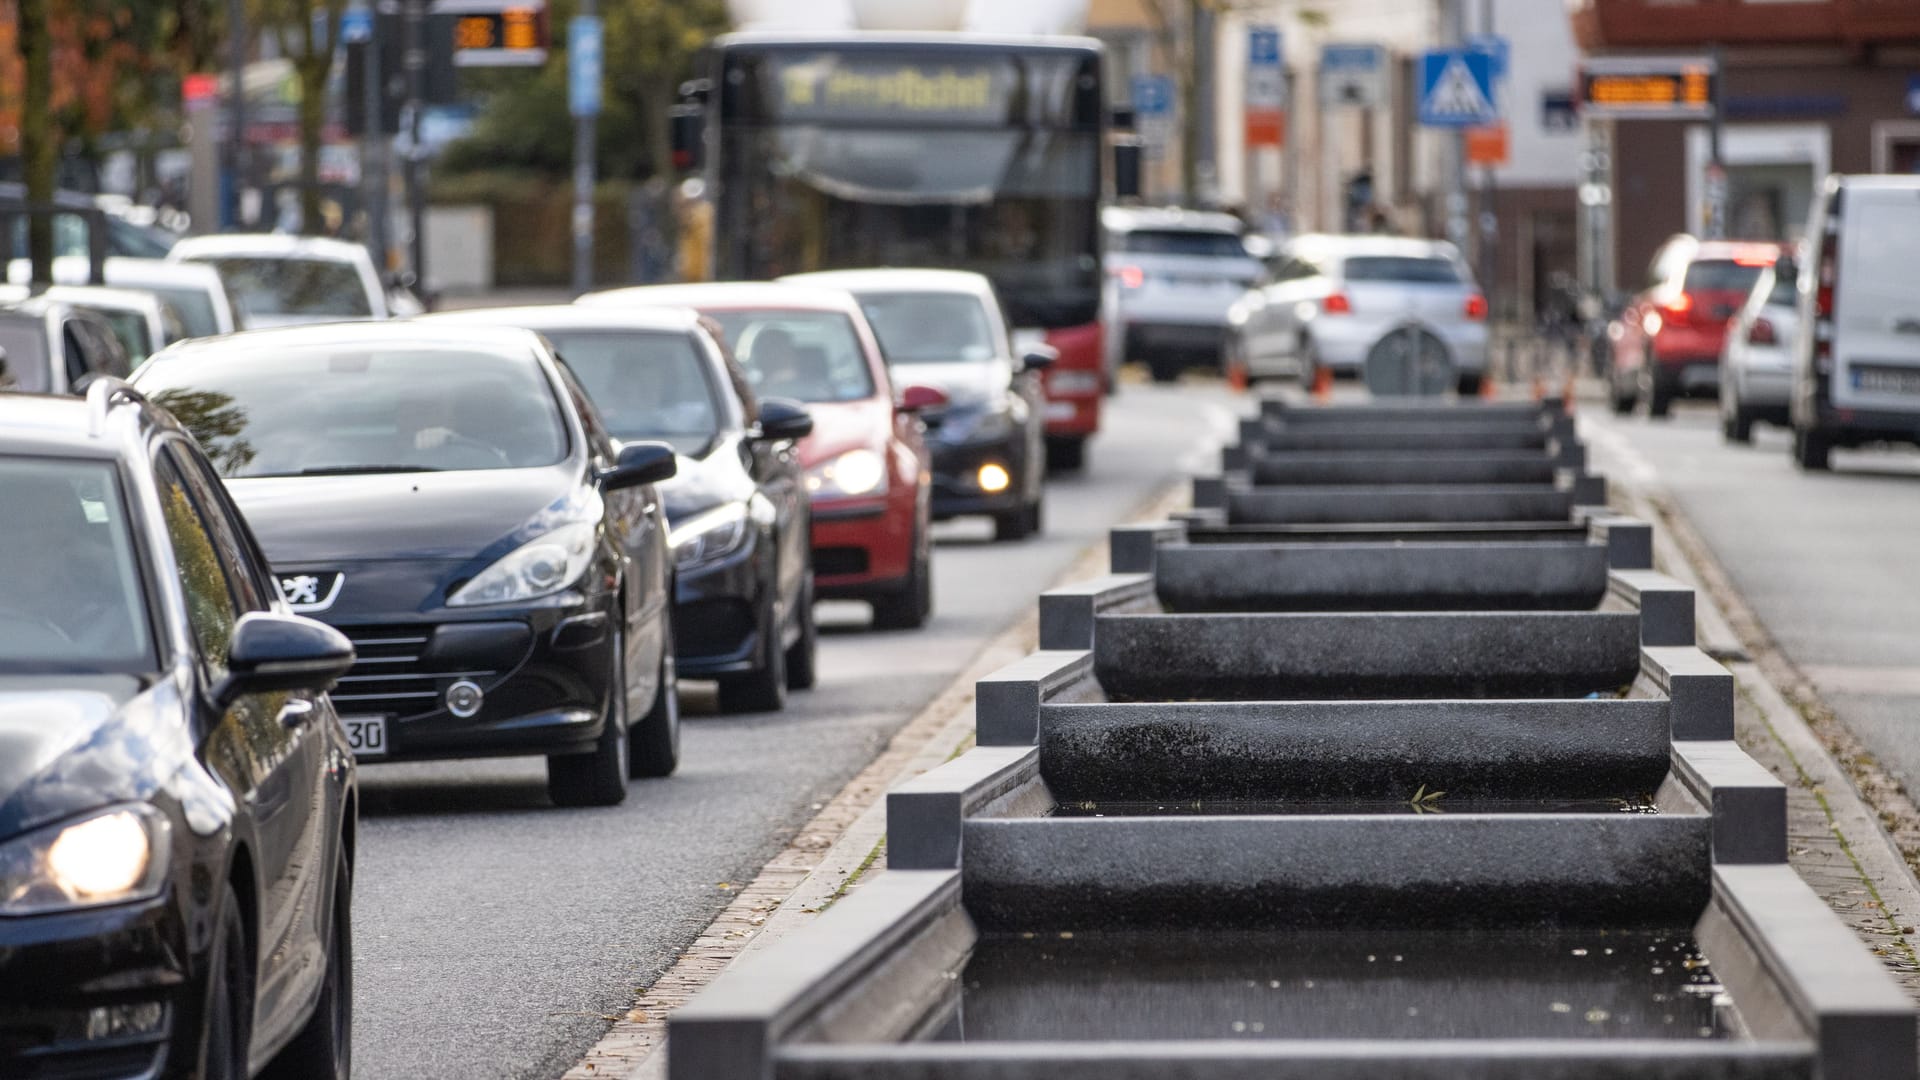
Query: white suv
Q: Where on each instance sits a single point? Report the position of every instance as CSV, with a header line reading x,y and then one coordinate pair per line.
x,y
1856,363
1171,276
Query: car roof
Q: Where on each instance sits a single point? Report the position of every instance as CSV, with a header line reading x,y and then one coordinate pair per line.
x,y
271,245
897,279
1890,181
1127,218
59,425
572,317
106,296
488,338
729,294
1323,244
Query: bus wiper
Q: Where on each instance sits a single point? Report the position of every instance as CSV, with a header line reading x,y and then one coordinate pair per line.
x,y
363,470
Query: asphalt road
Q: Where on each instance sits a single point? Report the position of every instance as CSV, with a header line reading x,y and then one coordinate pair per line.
x,y
1830,562
493,932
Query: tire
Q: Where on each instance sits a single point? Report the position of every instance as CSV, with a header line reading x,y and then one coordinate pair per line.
x,y
599,776
654,744
1468,384
1623,401
1736,424
229,1030
764,690
1067,454
1164,368
803,656
1015,524
1812,450
324,1048
1659,400
908,608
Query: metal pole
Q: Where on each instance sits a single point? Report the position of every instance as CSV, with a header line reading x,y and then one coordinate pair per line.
x,y
1716,186
413,18
1489,220
1453,32
583,157
373,155
235,150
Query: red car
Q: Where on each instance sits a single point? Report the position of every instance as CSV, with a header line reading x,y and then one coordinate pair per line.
x,y
866,463
1667,342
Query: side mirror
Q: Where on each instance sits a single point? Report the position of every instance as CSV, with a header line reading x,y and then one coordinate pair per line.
x,y
640,463
782,419
272,652
921,398
1039,358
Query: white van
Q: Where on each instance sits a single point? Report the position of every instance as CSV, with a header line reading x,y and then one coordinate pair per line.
x,y
1856,364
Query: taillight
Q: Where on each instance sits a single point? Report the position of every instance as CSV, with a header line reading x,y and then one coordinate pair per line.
x,y
1131,277
1678,311
1762,333
1476,307
1336,304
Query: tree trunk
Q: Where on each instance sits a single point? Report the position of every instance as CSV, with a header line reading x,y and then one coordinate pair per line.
x,y
656,98
313,116
39,139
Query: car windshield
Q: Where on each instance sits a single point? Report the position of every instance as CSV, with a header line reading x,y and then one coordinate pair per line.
x,y
131,328
1181,242
70,596
23,348
315,409
646,384
1721,275
930,328
317,288
803,355
1402,268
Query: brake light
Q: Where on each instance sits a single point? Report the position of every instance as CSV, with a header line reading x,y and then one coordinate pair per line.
x,y
1476,307
1827,269
1336,304
1753,260
1678,311
1762,333
1131,277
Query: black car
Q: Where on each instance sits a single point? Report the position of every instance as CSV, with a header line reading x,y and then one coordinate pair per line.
x,y
176,793
945,329
47,347
737,508
448,498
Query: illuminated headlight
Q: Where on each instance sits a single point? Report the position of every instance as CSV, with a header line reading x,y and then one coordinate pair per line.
x,y
108,858
856,472
1073,382
710,536
539,567
993,478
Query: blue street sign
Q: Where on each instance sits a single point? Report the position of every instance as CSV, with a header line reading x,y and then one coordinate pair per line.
x,y
1497,49
1263,46
584,58
1152,96
1353,75
1456,89
356,25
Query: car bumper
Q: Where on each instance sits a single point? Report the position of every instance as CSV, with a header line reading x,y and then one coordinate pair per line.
x,y
544,672
1765,388
98,993
1697,375
1144,339
1076,382
716,616
956,478
862,547
1343,343
1855,427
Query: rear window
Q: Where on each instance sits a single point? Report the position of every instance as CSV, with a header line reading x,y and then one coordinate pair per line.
x,y
1722,275
194,308
300,287
1786,289
1216,245
1402,268
803,355
929,328
646,384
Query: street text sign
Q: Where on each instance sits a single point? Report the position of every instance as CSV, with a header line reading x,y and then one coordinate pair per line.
x,y
584,63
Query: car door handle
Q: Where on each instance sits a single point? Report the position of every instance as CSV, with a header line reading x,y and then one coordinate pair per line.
x,y
296,713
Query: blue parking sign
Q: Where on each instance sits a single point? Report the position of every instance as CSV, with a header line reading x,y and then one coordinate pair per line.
x,y
1152,95
584,62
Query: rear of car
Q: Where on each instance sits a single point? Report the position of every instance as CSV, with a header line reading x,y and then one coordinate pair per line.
x,y
291,281
191,292
1670,337
1172,276
1756,371
1401,290
1856,373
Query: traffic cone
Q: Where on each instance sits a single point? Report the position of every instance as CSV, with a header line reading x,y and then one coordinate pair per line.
x,y
1237,376
1322,383
1566,394
1488,391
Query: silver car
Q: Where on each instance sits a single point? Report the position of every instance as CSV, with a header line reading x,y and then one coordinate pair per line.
x,y
1756,362
1171,276
1334,302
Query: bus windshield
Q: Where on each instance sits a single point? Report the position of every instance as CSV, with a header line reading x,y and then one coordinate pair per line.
x,y
833,159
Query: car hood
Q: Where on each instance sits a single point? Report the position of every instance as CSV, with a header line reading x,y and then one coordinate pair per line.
x,y
967,384
69,744
400,516
703,483
839,426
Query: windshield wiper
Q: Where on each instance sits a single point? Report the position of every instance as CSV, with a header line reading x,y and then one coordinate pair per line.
x,y
362,470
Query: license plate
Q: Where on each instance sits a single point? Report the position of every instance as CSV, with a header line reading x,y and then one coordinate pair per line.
x,y
367,735
1061,410
1886,380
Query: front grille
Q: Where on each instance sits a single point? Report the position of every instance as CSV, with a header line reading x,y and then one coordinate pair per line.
x,y
838,561
391,676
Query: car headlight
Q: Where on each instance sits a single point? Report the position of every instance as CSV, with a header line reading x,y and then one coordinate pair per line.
x,y
709,536
113,857
856,472
540,567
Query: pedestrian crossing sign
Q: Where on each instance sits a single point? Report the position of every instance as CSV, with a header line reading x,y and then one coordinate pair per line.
x,y
1456,89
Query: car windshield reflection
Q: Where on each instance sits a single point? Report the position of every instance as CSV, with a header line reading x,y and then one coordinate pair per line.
x,y
70,599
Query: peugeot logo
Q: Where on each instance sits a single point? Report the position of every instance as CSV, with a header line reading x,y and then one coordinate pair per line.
x,y
310,592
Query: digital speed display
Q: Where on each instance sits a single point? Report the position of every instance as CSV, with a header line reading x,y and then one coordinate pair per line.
x,y
1648,89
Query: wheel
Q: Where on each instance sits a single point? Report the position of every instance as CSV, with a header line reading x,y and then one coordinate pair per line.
x,y
803,655
908,608
1468,383
1736,424
654,744
1811,450
1659,400
1015,524
1164,368
1066,453
764,690
1037,515
324,1048
599,776
229,997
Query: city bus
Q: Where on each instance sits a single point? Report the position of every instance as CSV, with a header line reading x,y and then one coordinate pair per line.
x,y
956,151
